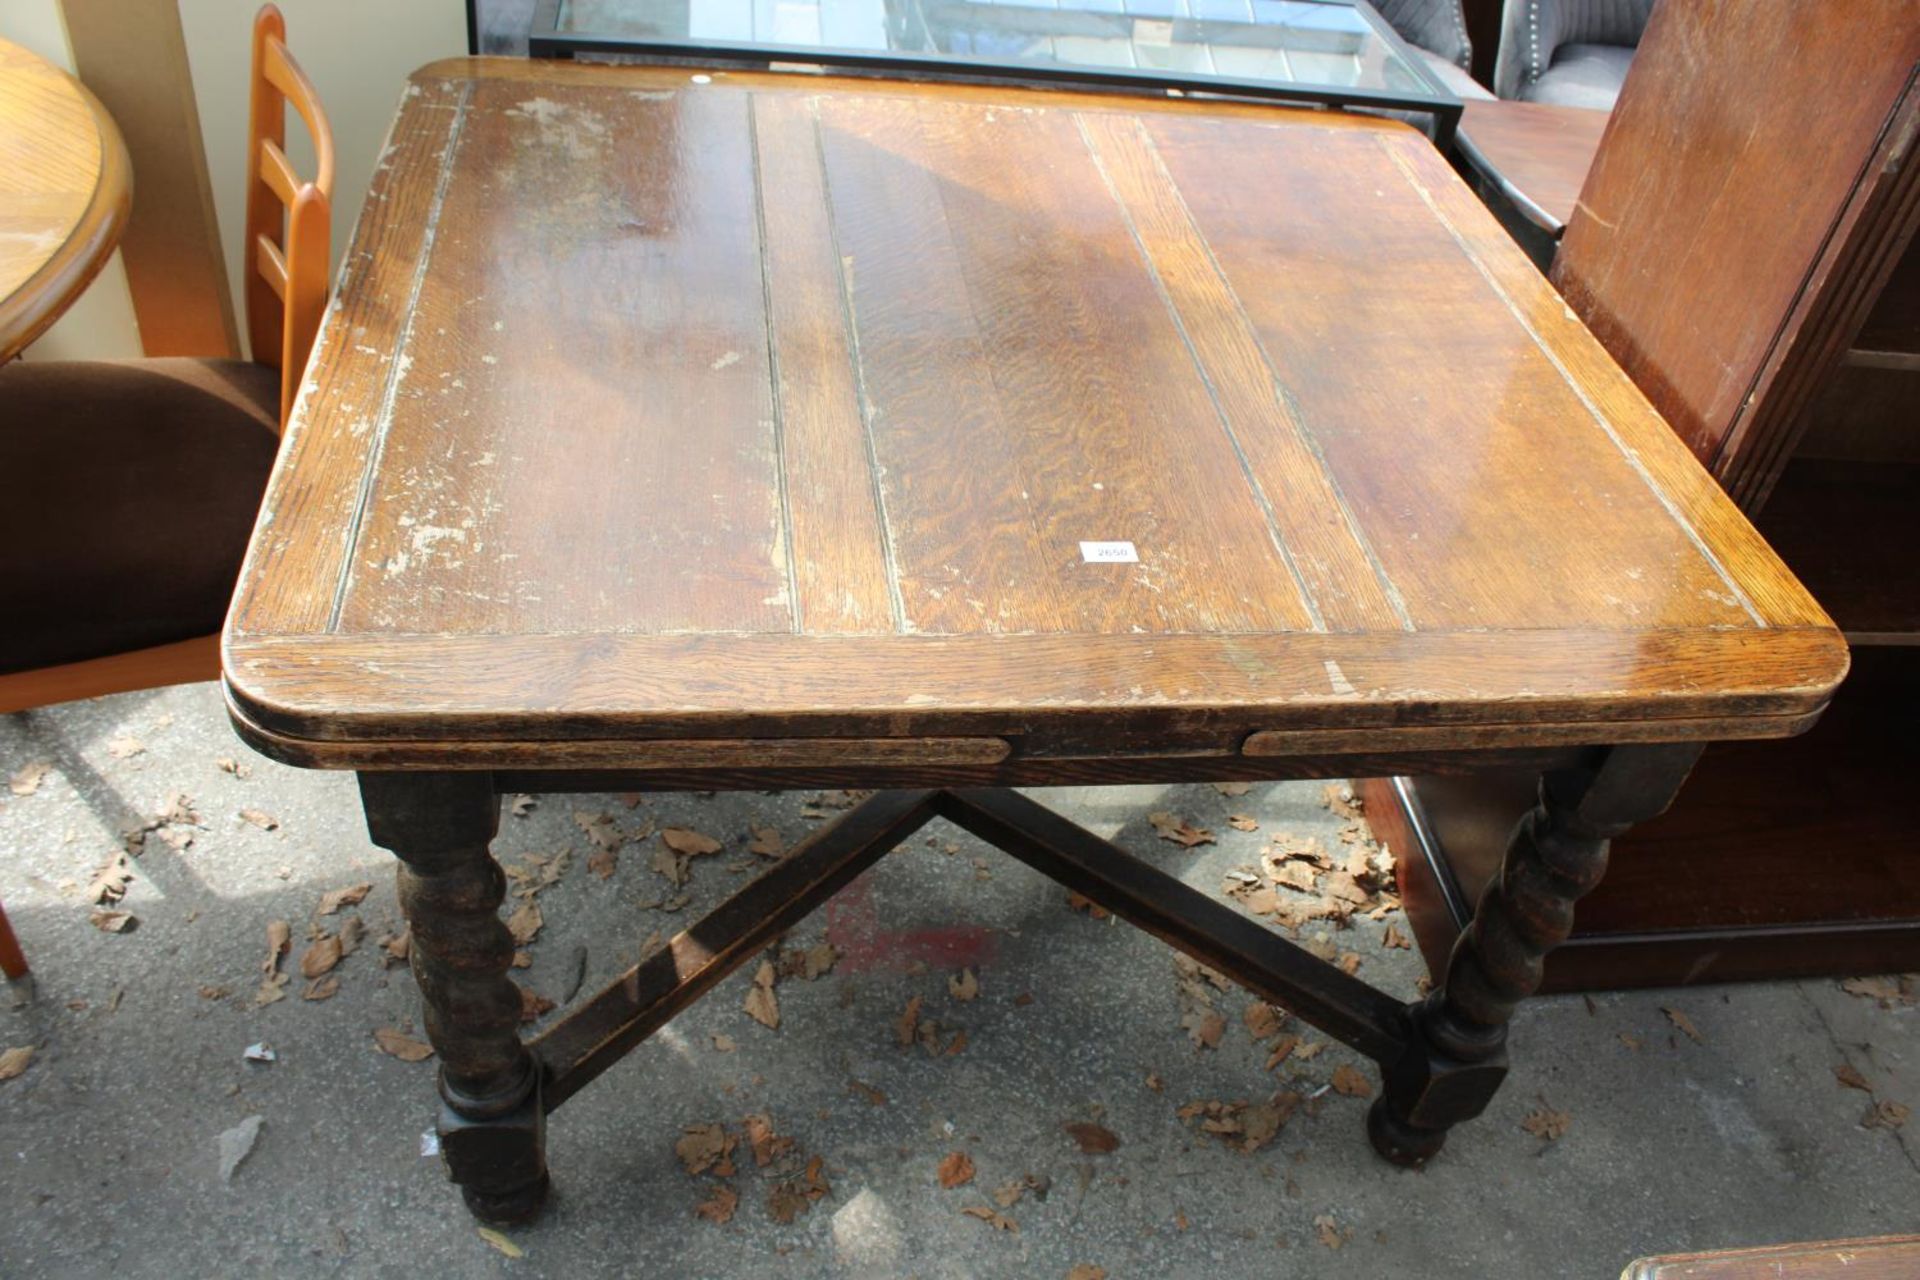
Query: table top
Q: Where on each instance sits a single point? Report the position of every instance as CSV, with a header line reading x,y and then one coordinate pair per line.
x,y
1536,152
65,191
1338,51
660,407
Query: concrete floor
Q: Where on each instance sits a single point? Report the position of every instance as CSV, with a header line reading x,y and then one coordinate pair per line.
x,y
110,1136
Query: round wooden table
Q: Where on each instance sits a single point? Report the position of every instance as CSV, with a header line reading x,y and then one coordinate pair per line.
x,y
65,189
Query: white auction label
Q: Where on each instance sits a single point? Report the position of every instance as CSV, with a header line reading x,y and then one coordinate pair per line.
x,y
1109,553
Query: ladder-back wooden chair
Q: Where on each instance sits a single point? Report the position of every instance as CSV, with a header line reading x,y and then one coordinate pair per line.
x,y
135,484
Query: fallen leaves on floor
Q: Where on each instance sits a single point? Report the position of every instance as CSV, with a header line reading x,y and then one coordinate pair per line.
x,y
1849,1076
992,1217
1092,1139
1087,1271
321,955
26,780
1243,1126
396,1043
1176,830
815,962
704,1148
396,948
125,746
536,872
16,1060
861,1088
1351,1083
112,921
767,1145
324,989
533,1005
906,1027
109,881
1890,991
273,985
1394,940
500,1242
525,923
793,1196
956,1170
1546,1124
1327,1231
964,986
762,1006
1685,1024
1080,902
1242,822
353,895
1339,797
718,1208
260,818
238,768
767,843
1884,1114
1263,1020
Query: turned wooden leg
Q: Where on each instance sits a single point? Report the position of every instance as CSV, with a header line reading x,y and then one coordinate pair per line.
x,y
1456,1053
492,1123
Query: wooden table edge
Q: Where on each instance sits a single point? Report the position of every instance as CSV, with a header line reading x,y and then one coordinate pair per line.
x,y
44,296
297,719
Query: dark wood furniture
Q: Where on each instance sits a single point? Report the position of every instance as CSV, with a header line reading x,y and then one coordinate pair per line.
x,y
1878,1258
1745,247
747,430
1528,160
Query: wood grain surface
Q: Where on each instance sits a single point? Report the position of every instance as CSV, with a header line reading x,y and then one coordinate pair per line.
x,y
65,190
744,406
1537,154
1741,214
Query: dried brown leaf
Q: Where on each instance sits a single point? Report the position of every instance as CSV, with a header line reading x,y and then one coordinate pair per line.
x,y
26,780
766,842
351,896
1087,1271
1546,1124
704,1147
320,956
964,986
603,863
1242,822
992,1217
1685,1024
1326,1230
762,1005
396,948
1349,1083
1851,1078
718,1208
1885,1114
1204,1027
533,1005
16,1060
689,843
1095,1140
526,922
396,1043
1339,797
906,1027
1394,940
1233,789
956,1170
260,818
1078,902
1263,1019
323,989
109,882
1176,830
125,746
112,921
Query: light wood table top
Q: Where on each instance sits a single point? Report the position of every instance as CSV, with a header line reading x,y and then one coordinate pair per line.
x,y
65,190
663,417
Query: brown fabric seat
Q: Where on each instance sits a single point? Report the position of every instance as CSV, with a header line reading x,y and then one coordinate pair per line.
x,y
131,490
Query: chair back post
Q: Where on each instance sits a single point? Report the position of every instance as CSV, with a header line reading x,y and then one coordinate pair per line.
x,y
289,221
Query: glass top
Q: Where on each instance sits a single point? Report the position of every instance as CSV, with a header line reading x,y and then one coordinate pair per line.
x,y
1276,45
